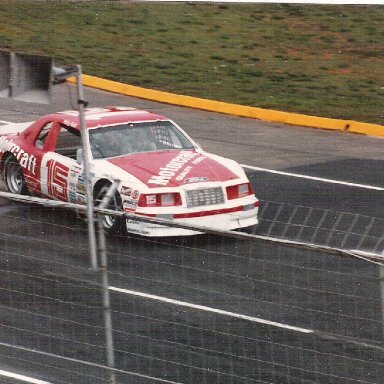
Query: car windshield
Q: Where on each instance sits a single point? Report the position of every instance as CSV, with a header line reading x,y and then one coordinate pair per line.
x,y
129,138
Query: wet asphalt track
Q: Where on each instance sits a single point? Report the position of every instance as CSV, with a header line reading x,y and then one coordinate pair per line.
x,y
249,278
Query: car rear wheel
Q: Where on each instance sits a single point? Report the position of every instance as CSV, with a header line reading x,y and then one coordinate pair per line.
x,y
13,176
112,224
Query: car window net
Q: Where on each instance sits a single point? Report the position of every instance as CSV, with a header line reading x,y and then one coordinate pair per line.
x,y
135,138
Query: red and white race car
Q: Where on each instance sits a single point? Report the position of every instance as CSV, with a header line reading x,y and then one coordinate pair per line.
x,y
163,173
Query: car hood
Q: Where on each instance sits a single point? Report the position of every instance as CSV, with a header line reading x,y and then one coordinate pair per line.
x,y
174,168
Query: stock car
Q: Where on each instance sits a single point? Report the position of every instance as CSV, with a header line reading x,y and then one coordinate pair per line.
x,y
162,172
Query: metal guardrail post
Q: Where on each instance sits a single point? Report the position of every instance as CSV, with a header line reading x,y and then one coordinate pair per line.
x,y
102,250
107,312
86,155
381,280
105,283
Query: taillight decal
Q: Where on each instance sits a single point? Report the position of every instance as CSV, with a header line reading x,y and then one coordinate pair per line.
x,y
239,190
169,199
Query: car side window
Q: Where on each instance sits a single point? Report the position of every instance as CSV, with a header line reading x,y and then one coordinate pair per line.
x,y
68,142
42,137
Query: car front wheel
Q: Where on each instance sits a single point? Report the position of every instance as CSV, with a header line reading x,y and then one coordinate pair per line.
x,y
112,224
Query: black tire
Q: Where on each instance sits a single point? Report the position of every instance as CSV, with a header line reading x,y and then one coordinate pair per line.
x,y
112,225
13,176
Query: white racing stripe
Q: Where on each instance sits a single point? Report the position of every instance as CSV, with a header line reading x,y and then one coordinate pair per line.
x,y
371,187
212,310
22,378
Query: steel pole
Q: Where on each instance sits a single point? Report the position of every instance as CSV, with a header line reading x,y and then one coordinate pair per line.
x,y
381,282
107,311
86,156
92,234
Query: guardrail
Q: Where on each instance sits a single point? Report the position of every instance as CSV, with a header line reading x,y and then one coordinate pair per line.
x,y
234,109
323,227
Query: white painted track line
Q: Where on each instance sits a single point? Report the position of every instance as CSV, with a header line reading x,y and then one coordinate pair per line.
x,y
23,378
209,309
324,180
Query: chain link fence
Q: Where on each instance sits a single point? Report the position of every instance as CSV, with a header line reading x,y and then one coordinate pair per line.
x,y
202,309
323,227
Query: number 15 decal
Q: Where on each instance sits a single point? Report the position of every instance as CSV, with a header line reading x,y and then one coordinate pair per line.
x,y
57,180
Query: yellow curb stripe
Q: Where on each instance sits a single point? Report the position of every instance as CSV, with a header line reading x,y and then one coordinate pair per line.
x,y
233,109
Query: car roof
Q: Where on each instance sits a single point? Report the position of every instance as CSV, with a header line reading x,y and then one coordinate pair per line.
x,y
99,117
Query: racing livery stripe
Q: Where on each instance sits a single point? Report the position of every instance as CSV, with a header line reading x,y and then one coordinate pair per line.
x,y
201,213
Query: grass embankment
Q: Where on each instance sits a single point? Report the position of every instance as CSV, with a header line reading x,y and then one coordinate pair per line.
x,y
312,59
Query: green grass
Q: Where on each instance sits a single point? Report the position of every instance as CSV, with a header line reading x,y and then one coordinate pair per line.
x,y
313,59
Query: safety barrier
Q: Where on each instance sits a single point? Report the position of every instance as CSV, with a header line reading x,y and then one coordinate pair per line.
x,y
234,109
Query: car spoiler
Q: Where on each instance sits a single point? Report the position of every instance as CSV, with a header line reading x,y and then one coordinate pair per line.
x,y
7,128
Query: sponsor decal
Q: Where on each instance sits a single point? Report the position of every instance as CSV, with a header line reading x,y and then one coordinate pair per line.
x,y
184,173
131,222
81,184
199,160
135,194
166,173
130,198
139,232
25,159
72,197
195,180
70,123
75,171
81,199
126,191
129,204
134,222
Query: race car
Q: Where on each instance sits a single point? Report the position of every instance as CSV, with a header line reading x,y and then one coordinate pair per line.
x,y
161,172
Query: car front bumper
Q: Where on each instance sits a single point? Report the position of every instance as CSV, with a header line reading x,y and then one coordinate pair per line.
x,y
225,221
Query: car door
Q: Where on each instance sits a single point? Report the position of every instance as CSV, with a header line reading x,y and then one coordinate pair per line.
x,y
42,143
61,175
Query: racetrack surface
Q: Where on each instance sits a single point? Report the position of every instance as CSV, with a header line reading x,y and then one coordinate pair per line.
x,y
165,268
